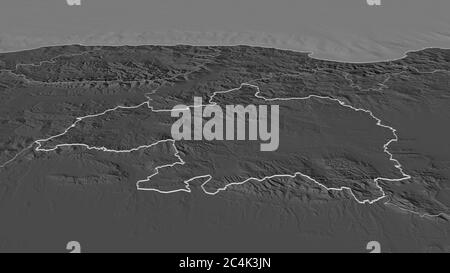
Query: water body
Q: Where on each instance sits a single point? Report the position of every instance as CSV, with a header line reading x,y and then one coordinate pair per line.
x,y
41,215
345,30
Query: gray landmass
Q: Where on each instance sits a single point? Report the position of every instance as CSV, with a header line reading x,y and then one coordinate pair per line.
x,y
85,192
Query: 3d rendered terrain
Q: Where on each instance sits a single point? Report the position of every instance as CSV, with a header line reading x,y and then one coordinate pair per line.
x,y
86,149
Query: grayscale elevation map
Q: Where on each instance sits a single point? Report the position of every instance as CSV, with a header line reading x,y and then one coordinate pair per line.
x,y
224,126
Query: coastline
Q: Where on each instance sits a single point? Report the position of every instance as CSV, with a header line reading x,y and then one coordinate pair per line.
x,y
362,50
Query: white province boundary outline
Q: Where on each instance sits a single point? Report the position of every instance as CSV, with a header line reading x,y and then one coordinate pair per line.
x,y
181,162
208,177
